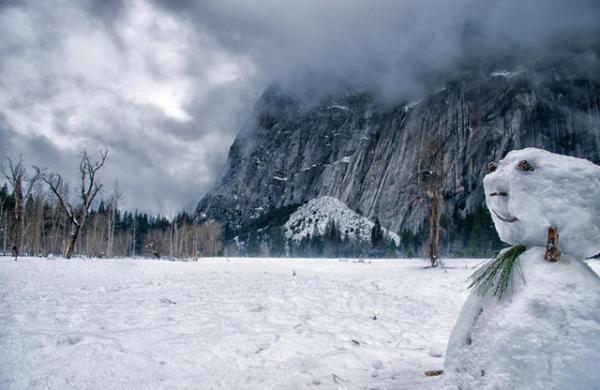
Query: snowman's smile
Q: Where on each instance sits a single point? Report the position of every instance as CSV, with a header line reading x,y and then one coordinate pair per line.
x,y
505,219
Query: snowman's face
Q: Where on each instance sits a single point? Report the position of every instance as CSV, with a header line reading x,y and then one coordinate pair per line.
x,y
531,190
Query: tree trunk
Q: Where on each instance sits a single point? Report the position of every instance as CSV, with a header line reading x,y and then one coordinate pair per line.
x,y
434,230
5,238
72,240
110,231
3,230
18,232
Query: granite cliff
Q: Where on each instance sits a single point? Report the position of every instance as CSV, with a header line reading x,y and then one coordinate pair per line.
x,y
376,157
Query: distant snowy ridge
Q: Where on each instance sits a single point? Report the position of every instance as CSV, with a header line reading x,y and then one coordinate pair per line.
x,y
312,219
339,107
411,105
506,73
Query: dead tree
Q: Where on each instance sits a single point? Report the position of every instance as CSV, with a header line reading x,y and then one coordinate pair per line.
x,y
212,237
434,155
3,219
89,190
132,245
112,217
153,249
435,214
21,185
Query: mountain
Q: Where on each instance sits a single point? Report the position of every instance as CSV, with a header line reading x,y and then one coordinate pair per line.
x,y
378,158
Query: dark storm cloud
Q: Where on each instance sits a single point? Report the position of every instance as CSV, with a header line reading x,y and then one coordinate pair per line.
x,y
107,10
166,85
34,149
393,45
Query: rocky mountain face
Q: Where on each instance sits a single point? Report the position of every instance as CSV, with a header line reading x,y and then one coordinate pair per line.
x,y
378,158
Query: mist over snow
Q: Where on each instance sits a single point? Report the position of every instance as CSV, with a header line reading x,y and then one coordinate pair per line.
x,y
166,85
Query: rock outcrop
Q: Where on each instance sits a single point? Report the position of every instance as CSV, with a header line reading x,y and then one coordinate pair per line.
x,y
314,218
377,158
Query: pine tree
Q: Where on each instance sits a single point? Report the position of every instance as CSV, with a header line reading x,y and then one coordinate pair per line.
x,y
332,239
376,234
390,252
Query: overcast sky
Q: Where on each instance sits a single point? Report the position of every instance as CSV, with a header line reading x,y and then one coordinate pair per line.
x,y
165,85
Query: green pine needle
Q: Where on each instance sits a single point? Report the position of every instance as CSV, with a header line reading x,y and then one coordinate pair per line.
x,y
497,274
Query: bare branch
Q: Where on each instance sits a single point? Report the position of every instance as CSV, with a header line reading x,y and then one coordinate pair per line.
x,y
55,183
32,180
88,171
97,189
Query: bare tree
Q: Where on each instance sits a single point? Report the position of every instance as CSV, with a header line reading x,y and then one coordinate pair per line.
x,y
435,213
58,222
156,241
34,232
89,190
112,216
174,238
3,222
133,238
437,171
210,236
21,185
196,237
152,246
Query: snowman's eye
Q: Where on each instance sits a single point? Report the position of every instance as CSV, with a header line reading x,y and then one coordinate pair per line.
x,y
525,166
492,167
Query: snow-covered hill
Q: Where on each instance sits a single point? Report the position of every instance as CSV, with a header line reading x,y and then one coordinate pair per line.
x,y
313,217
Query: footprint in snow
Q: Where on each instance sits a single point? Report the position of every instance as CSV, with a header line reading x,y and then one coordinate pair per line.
x,y
258,308
69,340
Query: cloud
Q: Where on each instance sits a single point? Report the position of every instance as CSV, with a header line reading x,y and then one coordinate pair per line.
x,y
395,46
166,84
163,98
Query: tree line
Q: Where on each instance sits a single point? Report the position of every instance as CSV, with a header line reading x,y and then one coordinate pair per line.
x,y
41,215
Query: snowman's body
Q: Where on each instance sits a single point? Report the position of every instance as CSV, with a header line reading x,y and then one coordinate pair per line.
x,y
545,333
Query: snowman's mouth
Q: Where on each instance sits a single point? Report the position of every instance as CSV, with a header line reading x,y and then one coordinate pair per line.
x,y
505,219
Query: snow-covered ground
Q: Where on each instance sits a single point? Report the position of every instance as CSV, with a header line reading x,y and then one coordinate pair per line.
x,y
226,323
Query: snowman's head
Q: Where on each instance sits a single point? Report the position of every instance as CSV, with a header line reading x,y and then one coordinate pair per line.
x,y
532,189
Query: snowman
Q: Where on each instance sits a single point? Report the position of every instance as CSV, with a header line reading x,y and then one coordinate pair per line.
x,y
532,320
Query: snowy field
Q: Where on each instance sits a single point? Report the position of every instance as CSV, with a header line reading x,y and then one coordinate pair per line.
x,y
226,323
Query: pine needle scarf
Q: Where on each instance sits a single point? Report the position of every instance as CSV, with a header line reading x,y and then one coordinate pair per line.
x,y
496,275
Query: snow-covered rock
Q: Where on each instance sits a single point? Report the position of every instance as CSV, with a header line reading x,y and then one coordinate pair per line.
x,y
545,333
313,217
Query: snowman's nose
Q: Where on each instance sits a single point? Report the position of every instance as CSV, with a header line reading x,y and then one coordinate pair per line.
x,y
501,193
